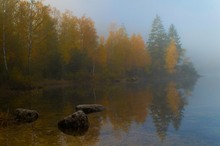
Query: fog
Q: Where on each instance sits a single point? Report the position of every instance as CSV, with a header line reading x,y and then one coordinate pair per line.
x,y
197,22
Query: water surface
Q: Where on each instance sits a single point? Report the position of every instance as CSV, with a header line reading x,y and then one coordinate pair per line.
x,y
160,113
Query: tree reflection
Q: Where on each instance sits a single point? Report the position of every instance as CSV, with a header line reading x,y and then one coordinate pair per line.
x,y
168,105
159,110
176,103
165,102
127,104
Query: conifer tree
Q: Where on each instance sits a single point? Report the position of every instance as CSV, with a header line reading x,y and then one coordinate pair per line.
x,y
173,35
157,43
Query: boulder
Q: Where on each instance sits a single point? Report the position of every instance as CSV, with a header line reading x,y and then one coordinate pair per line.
x,y
25,115
76,124
90,108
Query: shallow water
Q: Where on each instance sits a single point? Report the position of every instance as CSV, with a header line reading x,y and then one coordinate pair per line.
x,y
162,113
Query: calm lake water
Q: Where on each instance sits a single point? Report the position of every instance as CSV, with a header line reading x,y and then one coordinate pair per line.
x,y
162,113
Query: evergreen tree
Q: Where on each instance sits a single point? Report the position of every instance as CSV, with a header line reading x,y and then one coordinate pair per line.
x,y
157,44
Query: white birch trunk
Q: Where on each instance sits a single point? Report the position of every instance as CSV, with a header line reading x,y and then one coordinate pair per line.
x,y
4,37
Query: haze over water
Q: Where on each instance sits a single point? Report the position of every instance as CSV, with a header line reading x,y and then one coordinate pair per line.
x,y
163,113
197,23
155,107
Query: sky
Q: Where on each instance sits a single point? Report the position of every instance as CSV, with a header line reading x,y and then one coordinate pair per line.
x,y
197,22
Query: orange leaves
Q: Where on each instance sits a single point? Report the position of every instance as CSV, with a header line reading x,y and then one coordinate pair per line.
x,y
77,33
126,54
117,47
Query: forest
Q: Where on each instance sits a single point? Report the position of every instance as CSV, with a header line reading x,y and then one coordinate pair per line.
x,y
39,42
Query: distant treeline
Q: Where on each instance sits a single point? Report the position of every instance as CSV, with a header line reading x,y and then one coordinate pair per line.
x,y
39,42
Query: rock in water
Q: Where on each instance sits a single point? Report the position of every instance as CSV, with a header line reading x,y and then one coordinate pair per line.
x,y
25,115
76,124
90,108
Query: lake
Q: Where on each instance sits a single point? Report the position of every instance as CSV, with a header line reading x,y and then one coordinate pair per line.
x,y
159,113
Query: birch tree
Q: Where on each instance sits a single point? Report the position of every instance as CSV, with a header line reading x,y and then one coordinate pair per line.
x,y
36,11
3,34
7,11
88,41
140,57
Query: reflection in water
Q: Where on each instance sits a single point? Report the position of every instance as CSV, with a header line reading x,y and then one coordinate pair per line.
x,y
126,105
167,107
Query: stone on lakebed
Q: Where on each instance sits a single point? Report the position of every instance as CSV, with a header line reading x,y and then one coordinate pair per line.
x,y
90,108
25,115
76,124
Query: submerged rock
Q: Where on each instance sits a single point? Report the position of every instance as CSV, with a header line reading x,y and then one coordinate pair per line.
x,y
90,108
76,124
25,115
132,79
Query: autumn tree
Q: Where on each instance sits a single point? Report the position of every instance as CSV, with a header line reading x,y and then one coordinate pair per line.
x,y
29,19
34,20
38,43
139,57
46,57
171,57
88,41
69,45
117,45
7,15
173,35
101,55
157,44
68,36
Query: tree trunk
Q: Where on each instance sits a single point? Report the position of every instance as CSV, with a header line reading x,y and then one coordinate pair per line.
x,y
93,68
4,38
30,31
29,47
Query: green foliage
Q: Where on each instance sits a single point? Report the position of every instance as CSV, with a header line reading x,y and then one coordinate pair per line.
x,y
187,70
157,44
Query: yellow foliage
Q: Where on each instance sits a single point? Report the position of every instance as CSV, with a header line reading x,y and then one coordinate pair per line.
x,y
117,46
140,56
101,55
171,57
173,97
88,36
69,36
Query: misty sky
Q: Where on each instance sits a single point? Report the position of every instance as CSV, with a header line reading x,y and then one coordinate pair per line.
x,y
197,22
